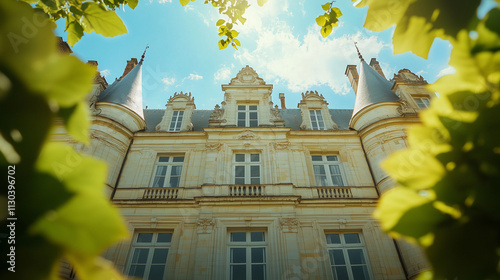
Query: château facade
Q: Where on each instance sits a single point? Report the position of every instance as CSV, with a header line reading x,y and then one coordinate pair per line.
x,y
253,190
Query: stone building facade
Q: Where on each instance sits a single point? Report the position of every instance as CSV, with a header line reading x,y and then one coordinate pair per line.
x,y
250,190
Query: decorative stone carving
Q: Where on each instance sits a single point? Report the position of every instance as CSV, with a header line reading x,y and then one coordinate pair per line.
x,y
247,76
289,224
342,222
217,113
247,135
213,146
178,102
186,96
281,145
275,114
404,107
205,225
406,76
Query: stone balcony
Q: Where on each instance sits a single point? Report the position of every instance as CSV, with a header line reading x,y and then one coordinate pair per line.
x,y
246,191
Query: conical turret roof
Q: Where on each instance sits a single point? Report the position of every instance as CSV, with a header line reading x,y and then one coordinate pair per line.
x,y
372,88
126,91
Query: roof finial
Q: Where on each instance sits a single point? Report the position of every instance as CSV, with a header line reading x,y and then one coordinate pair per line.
x,y
359,54
144,54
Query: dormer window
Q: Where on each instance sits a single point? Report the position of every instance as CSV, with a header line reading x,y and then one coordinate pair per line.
x,y
316,120
176,122
248,116
422,102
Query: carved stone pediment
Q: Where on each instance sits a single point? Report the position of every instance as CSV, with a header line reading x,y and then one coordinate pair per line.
x,y
247,76
406,76
247,135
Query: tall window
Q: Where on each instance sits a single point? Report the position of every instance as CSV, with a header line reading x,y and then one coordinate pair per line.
x,y
149,255
168,171
348,258
422,102
247,116
247,255
316,120
327,170
175,123
247,169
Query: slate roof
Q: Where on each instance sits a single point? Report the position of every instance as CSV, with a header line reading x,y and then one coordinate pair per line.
x,y
372,88
292,118
127,91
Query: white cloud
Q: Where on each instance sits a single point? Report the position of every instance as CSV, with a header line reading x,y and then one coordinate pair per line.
x,y
303,63
194,77
223,74
446,71
105,72
168,82
164,1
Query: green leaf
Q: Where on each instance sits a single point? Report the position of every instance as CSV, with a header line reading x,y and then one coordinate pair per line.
x,y
132,3
326,6
220,22
321,20
337,12
184,2
75,32
237,42
223,44
106,23
261,2
76,121
326,30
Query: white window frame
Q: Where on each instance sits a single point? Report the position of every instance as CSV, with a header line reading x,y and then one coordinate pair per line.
x,y
346,248
168,167
327,163
317,120
152,247
249,165
176,121
248,245
422,102
246,111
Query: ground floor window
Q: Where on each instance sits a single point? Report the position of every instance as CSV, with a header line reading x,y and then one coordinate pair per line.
x,y
348,258
148,257
247,255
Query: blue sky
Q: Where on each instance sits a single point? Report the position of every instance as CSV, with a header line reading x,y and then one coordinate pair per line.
x,y
281,41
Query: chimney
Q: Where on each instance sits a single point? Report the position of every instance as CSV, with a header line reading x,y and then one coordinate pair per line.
x,y
130,65
282,98
63,46
376,66
352,74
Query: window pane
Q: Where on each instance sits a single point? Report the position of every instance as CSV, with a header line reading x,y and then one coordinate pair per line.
x,y
156,272
238,236
332,158
253,115
360,272
181,113
238,255
163,159
164,237
241,123
241,115
158,182
239,158
351,238
241,107
174,182
259,272
240,181
144,237
255,181
314,125
334,169
254,157
238,272
321,181
319,169
258,255
178,159
332,239
317,158
253,123
252,107
137,270
140,255
176,170
239,171
337,257
161,170
340,273
257,236
254,171
356,256
337,180
160,256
